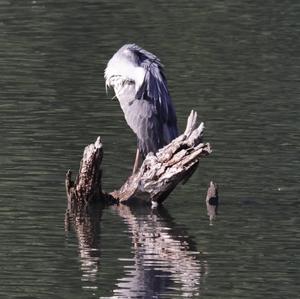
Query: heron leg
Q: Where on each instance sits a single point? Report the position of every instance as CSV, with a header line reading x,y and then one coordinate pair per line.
x,y
137,162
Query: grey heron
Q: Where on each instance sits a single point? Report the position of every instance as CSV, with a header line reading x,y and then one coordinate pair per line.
x,y
140,85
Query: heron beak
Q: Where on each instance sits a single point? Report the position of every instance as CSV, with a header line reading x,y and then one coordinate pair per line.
x,y
106,86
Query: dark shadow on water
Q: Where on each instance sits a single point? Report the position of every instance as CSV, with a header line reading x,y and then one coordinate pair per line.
x,y
165,259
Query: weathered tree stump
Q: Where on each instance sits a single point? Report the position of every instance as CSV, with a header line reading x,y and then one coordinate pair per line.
x,y
159,174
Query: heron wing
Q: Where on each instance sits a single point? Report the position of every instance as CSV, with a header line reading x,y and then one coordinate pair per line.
x,y
155,90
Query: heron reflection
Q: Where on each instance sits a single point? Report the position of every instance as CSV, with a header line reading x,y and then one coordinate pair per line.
x,y
164,257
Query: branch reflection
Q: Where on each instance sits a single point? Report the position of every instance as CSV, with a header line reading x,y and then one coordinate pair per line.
x,y
165,259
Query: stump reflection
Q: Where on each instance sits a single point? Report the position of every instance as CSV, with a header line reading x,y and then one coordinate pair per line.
x,y
164,258
86,223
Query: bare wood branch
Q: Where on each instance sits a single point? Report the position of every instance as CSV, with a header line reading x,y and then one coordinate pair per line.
x,y
161,173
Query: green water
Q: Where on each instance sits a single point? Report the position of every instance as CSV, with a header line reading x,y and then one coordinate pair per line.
x,y
237,64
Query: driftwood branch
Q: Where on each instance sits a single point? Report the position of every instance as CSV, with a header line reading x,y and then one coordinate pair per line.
x,y
157,177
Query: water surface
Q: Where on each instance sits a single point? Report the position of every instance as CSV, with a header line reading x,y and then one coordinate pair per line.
x,y
237,64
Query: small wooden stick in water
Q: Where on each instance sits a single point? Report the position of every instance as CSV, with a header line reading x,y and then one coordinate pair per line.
x,y
212,201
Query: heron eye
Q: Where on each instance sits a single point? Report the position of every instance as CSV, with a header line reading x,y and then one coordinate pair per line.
x,y
127,81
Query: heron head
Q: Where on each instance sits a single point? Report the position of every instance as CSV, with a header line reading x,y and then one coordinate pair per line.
x,y
125,65
130,55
